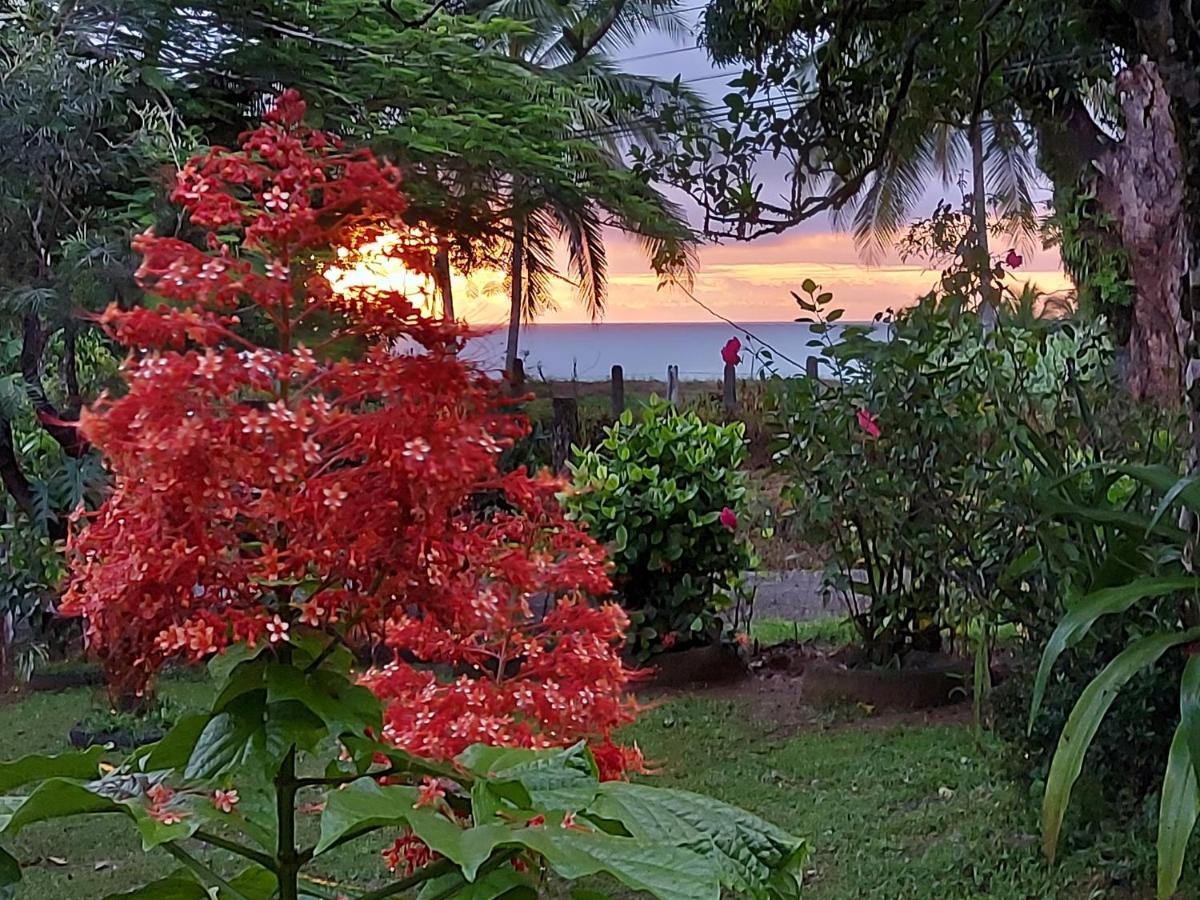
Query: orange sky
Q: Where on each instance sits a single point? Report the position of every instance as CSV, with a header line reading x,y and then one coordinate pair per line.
x,y
751,282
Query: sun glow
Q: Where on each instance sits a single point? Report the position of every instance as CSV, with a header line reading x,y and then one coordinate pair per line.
x,y
376,267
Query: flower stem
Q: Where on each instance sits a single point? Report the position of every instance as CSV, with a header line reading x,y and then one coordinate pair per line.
x,y
287,857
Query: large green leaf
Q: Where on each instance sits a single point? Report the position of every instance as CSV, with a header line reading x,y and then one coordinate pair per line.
x,y
752,857
365,805
668,872
1178,807
344,707
176,748
179,885
54,798
505,883
226,741
72,764
564,779
1085,720
10,870
1079,620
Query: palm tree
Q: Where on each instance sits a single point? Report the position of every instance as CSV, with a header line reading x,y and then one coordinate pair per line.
x,y
570,44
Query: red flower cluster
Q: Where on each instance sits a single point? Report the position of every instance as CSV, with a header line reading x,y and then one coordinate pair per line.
x,y
266,484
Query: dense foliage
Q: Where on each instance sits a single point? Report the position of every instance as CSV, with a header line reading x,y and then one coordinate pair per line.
x,y
276,505
665,490
911,466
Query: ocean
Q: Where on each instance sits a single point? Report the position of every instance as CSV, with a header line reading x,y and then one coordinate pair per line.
x,y
588,352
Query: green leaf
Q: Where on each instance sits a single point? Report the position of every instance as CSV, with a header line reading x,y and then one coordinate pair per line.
x,y
1085,720
749,854
179,885
668,872
1079,620
10,869
344,707
225,742
1178,807
36,767
564,779
55,798
365,805
503,884
175,749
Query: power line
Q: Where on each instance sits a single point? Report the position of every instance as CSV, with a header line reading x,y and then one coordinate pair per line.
x,y
746,331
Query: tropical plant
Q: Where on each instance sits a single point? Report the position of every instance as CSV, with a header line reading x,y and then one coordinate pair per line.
x,y
491,822
573,44
276,506
910,463
1141,590
665,492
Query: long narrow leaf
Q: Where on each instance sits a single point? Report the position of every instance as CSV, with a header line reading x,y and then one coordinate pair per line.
x,y
1085,720
1079,620
1176,814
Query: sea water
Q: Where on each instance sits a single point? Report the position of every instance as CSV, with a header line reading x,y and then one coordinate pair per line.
x,y
588,352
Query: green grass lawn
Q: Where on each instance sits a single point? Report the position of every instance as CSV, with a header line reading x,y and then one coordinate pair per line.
x,y
899,811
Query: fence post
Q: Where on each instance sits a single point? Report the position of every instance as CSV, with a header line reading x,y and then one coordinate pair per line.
x,y
673,385
618,391
564,431
729,394
810,367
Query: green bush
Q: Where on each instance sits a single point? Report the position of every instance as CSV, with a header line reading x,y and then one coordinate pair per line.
x,y
664,491
912,464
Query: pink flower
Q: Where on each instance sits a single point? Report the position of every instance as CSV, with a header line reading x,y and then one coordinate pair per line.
x,y
669,640
730,353
429,793
728,518
868,423
225,801
278,629
1014,259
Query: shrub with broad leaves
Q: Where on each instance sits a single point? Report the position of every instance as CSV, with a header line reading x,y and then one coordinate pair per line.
x,y
289,487
664,491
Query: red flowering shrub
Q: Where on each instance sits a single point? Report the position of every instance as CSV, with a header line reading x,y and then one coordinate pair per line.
x,y
268,488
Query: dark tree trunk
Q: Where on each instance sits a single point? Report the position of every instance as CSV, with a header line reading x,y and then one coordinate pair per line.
x,y
441,269
13,478
33,346
517,296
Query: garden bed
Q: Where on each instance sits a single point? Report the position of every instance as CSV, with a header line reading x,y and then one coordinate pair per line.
x,y
925,681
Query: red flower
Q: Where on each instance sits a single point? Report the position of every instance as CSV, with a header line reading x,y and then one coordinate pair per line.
x,y
430,793
868,423
1014,259
731,352
240,468
729,518
669,640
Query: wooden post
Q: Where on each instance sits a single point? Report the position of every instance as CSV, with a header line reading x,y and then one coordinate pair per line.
x,y
516,378
564,431
810,367
618,391
673,385
729,394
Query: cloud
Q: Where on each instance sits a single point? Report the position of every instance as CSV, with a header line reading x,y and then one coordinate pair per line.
x,y
752,282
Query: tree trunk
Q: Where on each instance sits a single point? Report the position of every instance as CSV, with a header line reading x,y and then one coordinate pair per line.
x,y
1142,189
33,346
988,295
518,293
441,268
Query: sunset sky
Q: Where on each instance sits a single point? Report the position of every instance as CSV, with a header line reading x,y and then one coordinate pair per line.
x,y
748,282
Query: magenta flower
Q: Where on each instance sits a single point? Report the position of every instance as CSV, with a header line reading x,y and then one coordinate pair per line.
x,y
1014,259
731,352
868,423
728,518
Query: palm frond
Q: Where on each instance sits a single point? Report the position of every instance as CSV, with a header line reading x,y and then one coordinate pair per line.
x,y
1010,176
893,190
586,255
541,270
